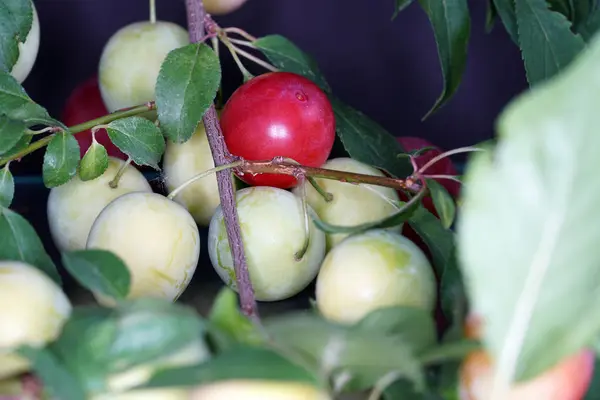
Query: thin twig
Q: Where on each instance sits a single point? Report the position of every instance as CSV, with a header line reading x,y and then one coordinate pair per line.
x,y
195,19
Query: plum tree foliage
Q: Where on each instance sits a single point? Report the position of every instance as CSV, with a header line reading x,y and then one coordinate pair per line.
x,y
518,249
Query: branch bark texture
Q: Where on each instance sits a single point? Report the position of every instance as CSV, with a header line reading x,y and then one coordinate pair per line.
x,y
195,18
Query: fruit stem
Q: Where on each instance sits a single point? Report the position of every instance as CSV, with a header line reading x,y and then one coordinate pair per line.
x,y
38,144
300,253
250,57
52,129
115,182
450,177
195,21
242,33
328,197
152,11
447,154
242,42
201,175
240,65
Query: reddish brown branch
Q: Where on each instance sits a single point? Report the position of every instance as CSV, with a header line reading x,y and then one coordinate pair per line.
x,y
196,18
280,166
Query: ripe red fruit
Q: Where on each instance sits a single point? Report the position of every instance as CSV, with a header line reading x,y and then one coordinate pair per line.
x,y
567,380
279,114
83,104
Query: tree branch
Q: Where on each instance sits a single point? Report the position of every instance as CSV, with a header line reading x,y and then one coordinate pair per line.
x,y
195,18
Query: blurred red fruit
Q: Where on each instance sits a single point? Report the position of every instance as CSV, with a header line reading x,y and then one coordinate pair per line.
x,y
84,104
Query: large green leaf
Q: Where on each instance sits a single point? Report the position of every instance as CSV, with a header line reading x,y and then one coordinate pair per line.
x,y
11,131
238,363
508,15
99,271
451,24
20,242
186,87
16,103
16,18
528,232
286,56
139,138
547,43
367,141
60,160
364,354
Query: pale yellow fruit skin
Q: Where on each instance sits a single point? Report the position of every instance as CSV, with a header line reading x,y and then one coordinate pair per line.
x,y
131,61
373,270
272,225
73,207
28,50
222,7
156,238
352,204
34,310
148,394
183,161
258,390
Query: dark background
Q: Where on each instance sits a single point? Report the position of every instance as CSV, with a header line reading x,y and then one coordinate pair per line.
x,y
387,69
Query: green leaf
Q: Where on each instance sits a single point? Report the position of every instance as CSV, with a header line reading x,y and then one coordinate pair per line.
x,y
451,24
151,328
528,232
547,43
490,16
404,213
99,271
367,357
561,6
409,324
20,242
367,141
16,18
508,15
186,87
84,345
58,381
443,202
19,146
139,138
227,318
237,363
94,162
441,243
450,351
11,132
400,6
14,101
590,26
286,56
7,187
60,160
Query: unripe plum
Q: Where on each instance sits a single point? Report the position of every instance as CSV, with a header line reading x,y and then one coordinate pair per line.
x,y
156,238
372,270
273,231
352,204
131,61
567,380
258,390
183,161
73,207
222,7
34,310
28,50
